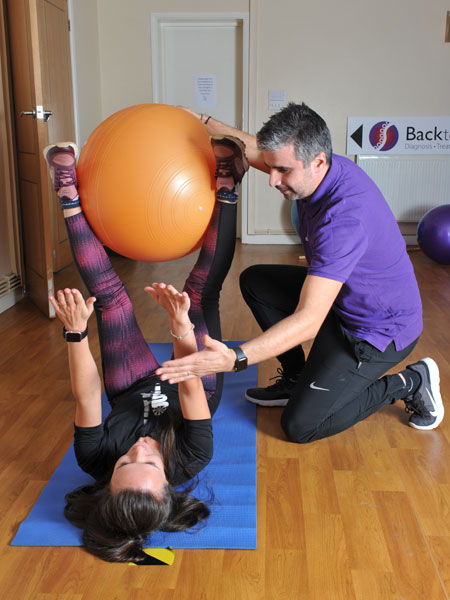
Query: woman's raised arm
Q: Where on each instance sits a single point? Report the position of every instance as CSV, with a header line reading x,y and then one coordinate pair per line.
x,y
74,313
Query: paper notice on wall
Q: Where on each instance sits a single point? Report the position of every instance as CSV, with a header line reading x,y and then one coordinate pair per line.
x,y
205,91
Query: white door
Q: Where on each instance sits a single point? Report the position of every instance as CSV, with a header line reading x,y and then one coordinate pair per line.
x,y
200,60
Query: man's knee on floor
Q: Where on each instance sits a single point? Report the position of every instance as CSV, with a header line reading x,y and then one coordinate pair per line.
x,y
295,432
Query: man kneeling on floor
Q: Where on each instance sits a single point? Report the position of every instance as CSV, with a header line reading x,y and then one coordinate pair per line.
x,y
358,298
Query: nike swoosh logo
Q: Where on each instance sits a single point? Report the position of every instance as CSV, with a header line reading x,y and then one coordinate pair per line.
x,y
315,387
433,413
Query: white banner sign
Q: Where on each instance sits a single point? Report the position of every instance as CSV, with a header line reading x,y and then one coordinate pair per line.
x,y
398,135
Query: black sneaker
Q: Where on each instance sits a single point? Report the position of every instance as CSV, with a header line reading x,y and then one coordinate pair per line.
x,y
276,394
426,403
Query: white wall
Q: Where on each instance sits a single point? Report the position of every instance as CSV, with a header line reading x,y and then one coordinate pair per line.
x,y
125,45
111,48
86,66
346,58
355,57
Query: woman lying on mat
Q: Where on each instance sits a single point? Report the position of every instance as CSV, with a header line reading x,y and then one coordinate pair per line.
x,y
157,435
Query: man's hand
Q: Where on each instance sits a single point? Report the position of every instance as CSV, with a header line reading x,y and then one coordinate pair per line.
x,y
71,308
215,358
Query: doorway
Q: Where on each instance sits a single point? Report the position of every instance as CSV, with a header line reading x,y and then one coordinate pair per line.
x,y
200,60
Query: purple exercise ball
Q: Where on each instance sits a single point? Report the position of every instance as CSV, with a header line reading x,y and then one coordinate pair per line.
x,y
433,234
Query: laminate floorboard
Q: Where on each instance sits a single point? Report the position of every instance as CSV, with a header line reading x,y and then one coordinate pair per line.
x,y
362,515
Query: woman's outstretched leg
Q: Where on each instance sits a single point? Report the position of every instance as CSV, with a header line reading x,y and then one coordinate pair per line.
x,y
126,357
204,283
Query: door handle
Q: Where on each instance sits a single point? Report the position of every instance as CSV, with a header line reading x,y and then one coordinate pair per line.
x,y
30,113
37,113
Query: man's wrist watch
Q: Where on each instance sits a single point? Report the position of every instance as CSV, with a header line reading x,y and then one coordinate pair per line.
x,y
74,336
241,360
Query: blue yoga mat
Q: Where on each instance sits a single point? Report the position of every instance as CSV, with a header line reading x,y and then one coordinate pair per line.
x,y
231,475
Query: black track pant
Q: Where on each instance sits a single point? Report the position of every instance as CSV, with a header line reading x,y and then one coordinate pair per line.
x,y
339,383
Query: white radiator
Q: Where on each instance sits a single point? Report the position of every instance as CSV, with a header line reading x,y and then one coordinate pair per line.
x,y
9,283
411,184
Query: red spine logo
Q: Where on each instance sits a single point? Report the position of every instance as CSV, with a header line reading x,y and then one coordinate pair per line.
x,y
383,136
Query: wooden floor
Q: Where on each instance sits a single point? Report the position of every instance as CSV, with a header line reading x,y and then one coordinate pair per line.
x,y
363,515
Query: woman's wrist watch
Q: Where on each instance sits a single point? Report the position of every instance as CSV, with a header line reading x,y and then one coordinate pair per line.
x,y
74,336
241,362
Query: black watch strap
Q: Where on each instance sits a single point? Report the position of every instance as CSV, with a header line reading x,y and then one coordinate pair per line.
x,y
241,360
74,336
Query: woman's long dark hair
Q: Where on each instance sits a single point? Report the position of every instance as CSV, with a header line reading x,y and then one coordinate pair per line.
x,y
116,526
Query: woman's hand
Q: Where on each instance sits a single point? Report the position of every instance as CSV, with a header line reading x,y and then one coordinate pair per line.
x,y
176,304
72,309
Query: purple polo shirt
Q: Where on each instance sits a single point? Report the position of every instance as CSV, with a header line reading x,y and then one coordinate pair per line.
x,y
349,234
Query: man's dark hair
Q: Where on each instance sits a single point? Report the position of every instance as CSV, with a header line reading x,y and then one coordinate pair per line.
x,y
300,126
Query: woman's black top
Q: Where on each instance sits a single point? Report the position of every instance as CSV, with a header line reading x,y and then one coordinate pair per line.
x,y
136,414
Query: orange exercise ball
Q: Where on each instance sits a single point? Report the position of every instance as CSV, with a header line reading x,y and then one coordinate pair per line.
x,y
146,182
